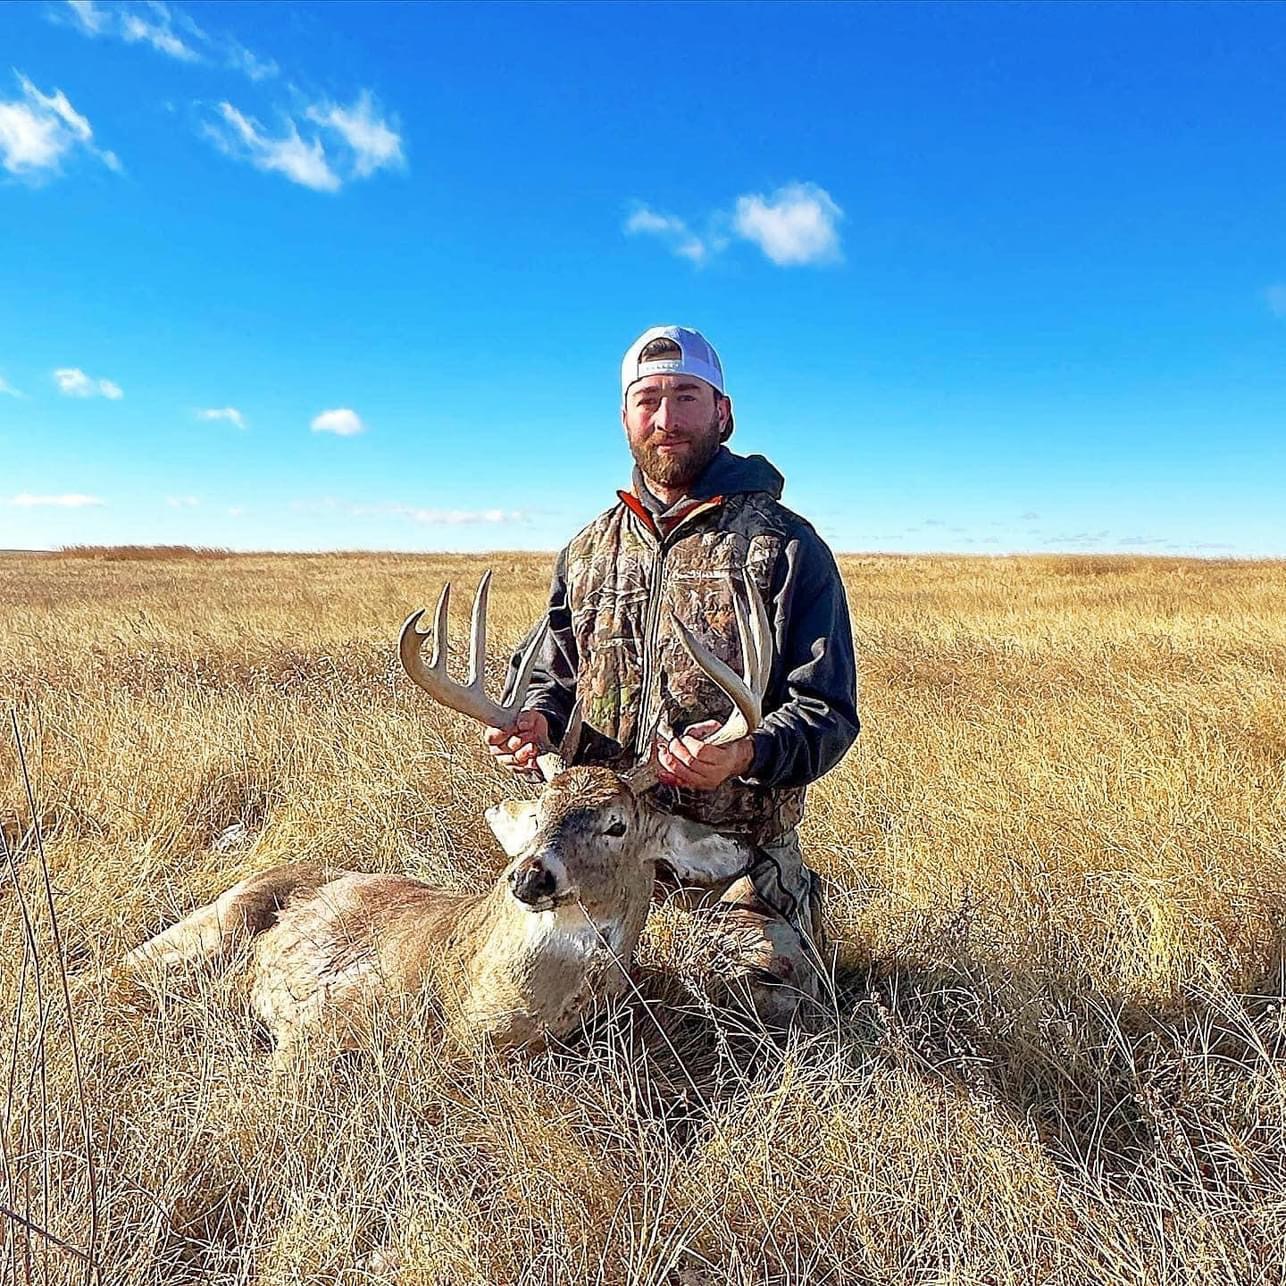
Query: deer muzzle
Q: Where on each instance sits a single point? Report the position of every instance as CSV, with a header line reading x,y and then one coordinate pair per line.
x,y
540,882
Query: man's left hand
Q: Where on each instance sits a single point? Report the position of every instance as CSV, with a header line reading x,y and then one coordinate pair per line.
x,y
692,762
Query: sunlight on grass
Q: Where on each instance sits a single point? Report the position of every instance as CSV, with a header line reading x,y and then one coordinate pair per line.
x,y
1054,868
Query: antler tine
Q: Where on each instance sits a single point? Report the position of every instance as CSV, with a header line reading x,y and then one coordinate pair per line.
x,y
746,693
760,636
478,632
644,775
466,698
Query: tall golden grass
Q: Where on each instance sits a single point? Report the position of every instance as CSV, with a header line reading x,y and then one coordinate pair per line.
x,y
1057,873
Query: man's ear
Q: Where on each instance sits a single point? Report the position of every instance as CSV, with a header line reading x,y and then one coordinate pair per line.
x,y
724,404
695,853
513,823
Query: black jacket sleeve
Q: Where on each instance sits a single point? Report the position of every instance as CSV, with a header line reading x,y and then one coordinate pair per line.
x,y
812,700
553,679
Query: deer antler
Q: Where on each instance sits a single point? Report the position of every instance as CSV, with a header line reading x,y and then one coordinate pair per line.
x,y
467,698
746,692
552,762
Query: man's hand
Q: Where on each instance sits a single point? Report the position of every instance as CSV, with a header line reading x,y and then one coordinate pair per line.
x,y
517,746
690,761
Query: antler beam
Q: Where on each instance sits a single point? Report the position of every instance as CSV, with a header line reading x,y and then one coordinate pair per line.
x,y
467,698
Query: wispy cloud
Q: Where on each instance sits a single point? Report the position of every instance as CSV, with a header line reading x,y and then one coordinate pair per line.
x,y
73,382
373,142
158,31
797,224
342,421
302,162
169,30
8,389
673,231
24,500
1076,539
229,413
1276,298
39,131
336,144
182,502
422,515
794,226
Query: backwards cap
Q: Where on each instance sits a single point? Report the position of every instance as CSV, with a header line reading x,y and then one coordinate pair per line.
x,y
698,358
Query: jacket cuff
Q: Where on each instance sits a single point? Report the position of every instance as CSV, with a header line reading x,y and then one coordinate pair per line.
x,y
555,716
763,741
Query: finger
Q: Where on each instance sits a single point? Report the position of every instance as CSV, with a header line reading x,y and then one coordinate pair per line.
x,y
702,730
703,752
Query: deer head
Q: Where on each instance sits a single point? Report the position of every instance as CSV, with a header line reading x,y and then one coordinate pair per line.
x,y
594,835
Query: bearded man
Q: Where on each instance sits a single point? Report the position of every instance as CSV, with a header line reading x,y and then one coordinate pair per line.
x,y
697,524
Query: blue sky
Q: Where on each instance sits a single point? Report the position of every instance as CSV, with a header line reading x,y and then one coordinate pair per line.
x,y
984,278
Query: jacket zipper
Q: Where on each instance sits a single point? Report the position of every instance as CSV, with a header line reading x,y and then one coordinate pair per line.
x,y
643,725
651,628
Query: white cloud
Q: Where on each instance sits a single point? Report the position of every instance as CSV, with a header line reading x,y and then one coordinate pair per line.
x,y
1276,296
247,61
158,32
301,162
229,413
674,232
358,141
341,421
92,20
8,389
182,502
373,142
73,382
38,131
422,515
795,225
24,500
170,31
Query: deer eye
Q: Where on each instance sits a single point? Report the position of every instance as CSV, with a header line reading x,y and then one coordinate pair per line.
x,y
615,830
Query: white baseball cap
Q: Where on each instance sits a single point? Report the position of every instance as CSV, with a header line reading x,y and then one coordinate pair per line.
x,y
698,358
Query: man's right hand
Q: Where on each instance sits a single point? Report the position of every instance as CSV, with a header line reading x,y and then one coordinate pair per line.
x,y
516,747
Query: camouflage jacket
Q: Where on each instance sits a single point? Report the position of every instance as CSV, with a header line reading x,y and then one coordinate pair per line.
x,y
611,645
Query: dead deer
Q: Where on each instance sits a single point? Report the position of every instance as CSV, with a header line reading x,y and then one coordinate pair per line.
x,y
522,962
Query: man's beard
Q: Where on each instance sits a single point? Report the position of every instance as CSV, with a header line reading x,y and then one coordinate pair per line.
x,y
679,471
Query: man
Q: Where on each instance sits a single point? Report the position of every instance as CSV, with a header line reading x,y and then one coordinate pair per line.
x,y
697,524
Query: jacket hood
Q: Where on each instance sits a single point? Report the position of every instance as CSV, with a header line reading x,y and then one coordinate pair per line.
x,y
729,474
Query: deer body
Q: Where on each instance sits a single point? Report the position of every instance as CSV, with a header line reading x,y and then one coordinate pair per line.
x,y
522,962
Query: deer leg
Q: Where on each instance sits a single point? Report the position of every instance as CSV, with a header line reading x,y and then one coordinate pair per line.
x,y
215,931
765,949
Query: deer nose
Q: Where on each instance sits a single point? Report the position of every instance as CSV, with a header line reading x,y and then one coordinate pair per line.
x,y
532,882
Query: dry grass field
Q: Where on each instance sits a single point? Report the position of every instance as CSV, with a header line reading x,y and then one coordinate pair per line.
x,y
1056,865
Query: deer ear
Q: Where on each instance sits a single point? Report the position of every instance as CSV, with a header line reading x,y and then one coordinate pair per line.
x,y
513,823
697,854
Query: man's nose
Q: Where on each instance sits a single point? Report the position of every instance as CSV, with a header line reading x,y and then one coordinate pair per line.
x,y
661,417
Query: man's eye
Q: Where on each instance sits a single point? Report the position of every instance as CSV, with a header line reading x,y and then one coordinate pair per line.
x,y
615,830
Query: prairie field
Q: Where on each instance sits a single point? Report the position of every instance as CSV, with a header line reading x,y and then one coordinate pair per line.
x,y
1056,875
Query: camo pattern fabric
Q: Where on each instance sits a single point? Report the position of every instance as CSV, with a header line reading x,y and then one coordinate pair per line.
x,y
624,585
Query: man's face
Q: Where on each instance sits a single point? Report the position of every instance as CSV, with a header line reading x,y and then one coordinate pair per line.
x,y
673,423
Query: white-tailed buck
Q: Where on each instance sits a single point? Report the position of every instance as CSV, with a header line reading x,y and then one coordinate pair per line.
x,y
521,962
